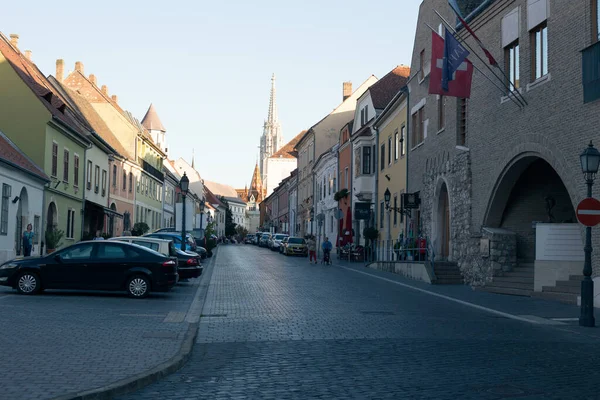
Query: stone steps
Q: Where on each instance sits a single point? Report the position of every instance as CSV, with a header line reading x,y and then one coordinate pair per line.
x,y
568,298
513,285
562,289
447,273
504,290
515,279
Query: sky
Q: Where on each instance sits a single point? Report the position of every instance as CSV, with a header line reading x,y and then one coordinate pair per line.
x,y
207,66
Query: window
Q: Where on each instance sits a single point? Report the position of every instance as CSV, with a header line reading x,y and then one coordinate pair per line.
x,y
441,104
364,115
70,224
373,162
80,252
149,245
112,251
54,159
6,193
75,170
36,229
395,208
539,51
97,179
390,150
103,183
381,214
89,175
511,64
334,187
124,180
114,177
418,128
346,178
366,160
462,122
66,166
382,156
131,182
422,65
595,21
396,145
403,141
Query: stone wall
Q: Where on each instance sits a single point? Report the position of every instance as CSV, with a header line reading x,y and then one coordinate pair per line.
x,y
502,249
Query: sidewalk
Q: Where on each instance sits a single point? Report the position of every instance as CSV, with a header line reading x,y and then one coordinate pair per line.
x,y
65,345
526,309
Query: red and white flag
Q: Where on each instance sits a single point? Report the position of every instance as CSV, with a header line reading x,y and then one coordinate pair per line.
x,y
460,85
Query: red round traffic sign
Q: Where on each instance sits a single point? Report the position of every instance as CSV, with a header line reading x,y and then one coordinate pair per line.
x,y
588,212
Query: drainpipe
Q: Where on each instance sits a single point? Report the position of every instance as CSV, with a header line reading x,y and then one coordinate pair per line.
x,y
84,188
408,119
43,227
376,194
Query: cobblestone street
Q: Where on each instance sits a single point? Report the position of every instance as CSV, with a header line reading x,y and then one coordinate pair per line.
x,y
275,327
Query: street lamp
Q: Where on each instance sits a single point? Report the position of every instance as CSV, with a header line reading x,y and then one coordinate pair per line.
x,y
387,197
184,185
590,160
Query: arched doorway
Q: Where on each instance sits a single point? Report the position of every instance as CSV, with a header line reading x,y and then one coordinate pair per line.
x,y
529,191
442,242
51,217
22,219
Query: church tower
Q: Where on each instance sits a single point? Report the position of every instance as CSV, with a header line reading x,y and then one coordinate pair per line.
x,y
271,139
156,129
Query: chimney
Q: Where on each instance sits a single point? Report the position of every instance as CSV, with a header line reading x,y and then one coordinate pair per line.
x,y
79,67
104,90
347,90
115,98
93,79
60,69
28,54
14,40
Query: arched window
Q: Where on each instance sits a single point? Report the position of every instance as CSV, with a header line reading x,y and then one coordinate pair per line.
x,y
114,177
124,180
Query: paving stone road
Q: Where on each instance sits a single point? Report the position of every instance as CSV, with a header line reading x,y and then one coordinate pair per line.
x,y
63,342
278,328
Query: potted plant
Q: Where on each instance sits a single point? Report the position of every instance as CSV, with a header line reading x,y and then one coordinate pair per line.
x,y
342,194
53,239
140,228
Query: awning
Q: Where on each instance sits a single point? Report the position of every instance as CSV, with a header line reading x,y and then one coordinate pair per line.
x,y
108,211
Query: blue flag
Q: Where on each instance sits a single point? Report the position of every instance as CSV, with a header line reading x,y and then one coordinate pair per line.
x,y
454,55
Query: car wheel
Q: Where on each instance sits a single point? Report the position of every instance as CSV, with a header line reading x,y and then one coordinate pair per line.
x,y
138,286
29,283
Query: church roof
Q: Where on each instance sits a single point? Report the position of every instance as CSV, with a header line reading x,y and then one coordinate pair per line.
x,y
287,151
151,120
384,90
256,180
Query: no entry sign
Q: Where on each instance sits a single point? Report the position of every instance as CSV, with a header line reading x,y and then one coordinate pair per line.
x,y
588,212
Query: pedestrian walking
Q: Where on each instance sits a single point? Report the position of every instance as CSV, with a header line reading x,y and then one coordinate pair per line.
x,y
28,240
312,249
327,246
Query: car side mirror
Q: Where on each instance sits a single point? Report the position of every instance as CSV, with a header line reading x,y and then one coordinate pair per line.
x,y
58,258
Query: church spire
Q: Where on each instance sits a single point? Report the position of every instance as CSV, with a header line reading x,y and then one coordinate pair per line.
x,y
272,117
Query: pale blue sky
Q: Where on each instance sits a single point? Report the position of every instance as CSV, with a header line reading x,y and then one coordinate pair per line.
x,y
206,66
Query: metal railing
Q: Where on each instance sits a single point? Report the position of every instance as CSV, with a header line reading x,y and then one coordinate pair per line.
x,y
403,250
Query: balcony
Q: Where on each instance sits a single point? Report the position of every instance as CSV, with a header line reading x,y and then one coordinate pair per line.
x,y
591,72
363,187
151,170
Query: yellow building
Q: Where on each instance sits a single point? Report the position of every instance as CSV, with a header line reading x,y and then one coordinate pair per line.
x,y
392,127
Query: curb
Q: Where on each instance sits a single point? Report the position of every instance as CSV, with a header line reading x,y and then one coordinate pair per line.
x,y
143,379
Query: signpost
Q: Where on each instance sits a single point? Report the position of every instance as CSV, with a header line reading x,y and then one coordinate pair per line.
x,y
588,212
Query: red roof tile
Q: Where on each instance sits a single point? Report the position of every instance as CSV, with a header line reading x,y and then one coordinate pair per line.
x,y
384,90
10,153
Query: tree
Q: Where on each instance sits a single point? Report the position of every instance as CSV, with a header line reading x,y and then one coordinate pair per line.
x,y
241,232
229,224
140,228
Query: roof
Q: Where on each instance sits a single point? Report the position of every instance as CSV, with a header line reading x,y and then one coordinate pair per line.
x,y
211,198
287,151
11,154
220,189
234,200
96,122
384,90
151,120
39,85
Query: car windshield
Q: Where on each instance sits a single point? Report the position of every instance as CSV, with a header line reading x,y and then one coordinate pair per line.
x,y
296,241
279,237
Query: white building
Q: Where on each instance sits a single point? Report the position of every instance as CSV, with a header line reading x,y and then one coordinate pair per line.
x,y
325,171
281,164
22,202
238,211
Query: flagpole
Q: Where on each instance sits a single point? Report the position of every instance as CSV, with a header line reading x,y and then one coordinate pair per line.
x,y
502,90
521,99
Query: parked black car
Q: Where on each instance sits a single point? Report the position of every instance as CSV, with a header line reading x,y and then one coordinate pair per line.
x,y
93,265
189,264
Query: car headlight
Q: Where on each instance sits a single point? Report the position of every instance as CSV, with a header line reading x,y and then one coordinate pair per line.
x,y
9,266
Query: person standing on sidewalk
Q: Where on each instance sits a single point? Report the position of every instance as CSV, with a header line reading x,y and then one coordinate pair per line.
x,y
28,240
312,249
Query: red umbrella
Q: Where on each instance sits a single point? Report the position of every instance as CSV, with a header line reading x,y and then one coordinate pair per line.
x,y
348,231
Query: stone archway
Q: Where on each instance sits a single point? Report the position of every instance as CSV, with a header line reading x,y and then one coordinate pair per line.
x,y
529,190
441,218
51,217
